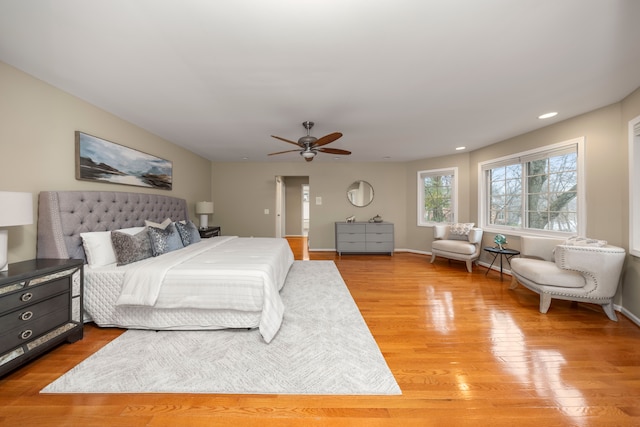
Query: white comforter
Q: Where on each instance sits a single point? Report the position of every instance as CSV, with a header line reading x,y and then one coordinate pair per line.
x,y
219,273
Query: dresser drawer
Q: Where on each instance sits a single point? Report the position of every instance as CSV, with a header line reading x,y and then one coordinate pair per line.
x,y
351,237
30,314
346,227
379,237
353,247
25,333
29,295
379,228
380,247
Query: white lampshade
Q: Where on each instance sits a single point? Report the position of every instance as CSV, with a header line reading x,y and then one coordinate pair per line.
x,y
15,209
204,209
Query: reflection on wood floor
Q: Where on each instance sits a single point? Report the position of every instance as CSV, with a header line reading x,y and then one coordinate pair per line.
x,y
465,350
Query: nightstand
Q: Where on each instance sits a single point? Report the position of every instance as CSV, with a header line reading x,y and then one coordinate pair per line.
x,y
40,307
205,233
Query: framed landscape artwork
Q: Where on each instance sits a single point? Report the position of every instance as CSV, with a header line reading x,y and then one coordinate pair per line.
x,y
104,161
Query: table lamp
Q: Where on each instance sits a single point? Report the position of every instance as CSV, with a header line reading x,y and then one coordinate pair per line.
x,y
15,209
204,209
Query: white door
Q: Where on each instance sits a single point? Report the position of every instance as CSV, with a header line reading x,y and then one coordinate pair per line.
x,y
280,204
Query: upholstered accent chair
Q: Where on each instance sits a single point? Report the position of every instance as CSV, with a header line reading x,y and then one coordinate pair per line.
x,y
557,268
457,241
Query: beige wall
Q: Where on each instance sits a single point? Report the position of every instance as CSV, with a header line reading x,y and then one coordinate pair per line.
x,y
38,148
630,290
247,189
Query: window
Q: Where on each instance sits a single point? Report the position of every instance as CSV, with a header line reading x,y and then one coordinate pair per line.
x,y
539,191
437,196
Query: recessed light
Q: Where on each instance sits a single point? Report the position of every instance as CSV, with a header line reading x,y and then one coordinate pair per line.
x,y
245,158
548,115
461,148
386,157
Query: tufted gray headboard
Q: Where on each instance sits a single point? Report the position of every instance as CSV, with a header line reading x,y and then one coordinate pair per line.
x,y
63,215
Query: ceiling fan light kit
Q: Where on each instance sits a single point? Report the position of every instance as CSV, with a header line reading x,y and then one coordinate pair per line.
x,y
310,145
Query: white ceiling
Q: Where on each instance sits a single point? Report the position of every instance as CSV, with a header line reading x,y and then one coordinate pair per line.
x,y
404,79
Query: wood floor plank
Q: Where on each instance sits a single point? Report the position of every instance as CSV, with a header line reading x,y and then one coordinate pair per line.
x,y
465,350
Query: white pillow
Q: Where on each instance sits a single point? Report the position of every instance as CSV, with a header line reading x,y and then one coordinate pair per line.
x,y
162,226
98,248
131,231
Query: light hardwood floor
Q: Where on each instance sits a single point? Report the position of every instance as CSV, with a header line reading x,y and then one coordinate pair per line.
x,y
465,350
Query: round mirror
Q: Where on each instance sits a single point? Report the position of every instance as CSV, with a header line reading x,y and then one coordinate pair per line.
x,y
360,194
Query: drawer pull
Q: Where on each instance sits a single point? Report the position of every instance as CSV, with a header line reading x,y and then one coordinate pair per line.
x,y
26,296
25,335
26,315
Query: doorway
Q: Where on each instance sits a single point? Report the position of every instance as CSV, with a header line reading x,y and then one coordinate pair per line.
x,y
292,206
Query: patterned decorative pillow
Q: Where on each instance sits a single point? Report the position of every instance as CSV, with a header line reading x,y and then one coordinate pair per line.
x,y
163,241
188,232
131,247
461,228
584,241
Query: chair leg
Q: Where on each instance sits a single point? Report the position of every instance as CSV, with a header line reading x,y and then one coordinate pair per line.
x,y
545,302
514,283
611,313
469,266
433,258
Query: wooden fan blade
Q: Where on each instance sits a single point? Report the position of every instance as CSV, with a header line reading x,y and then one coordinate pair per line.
x,y
334,151
327,139
285,140
282,152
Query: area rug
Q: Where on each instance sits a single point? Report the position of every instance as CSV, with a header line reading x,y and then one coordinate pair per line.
x,y
323,347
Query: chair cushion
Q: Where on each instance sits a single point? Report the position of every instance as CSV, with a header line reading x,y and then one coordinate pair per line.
x,y
455,246
546,273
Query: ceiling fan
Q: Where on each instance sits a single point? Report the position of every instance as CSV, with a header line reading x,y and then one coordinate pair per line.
x,y
310,146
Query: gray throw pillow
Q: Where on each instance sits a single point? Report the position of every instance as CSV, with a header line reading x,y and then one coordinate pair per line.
x,y
188,232
131,248
163,241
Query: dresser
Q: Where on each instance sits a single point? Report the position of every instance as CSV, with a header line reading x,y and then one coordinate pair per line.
x,y
364,237
40,307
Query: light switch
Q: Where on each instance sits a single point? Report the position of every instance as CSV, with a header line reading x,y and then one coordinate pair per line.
x,y
318,200
266,211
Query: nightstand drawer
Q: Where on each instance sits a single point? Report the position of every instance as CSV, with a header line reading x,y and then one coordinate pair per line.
x,y
30,314
28,295
23,334
209,232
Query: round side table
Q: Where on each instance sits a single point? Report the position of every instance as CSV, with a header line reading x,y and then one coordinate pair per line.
x,y
497,252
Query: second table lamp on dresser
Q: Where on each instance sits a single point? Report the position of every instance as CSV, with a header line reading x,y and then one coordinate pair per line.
x,y
204,209
15,209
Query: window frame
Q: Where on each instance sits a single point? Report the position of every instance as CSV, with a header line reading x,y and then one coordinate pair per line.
x,y
454,196
523,158
634,188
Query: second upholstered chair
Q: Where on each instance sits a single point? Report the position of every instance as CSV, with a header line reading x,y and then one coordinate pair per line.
x,y
457,241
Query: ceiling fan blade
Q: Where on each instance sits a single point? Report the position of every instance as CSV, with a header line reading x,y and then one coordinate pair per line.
x,y
285,140
282,152
334,151
327,139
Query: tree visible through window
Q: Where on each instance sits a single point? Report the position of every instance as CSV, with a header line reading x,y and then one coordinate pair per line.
x,y
536,190
436,196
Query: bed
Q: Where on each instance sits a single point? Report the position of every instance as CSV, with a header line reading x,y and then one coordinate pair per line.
x,y
217,283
